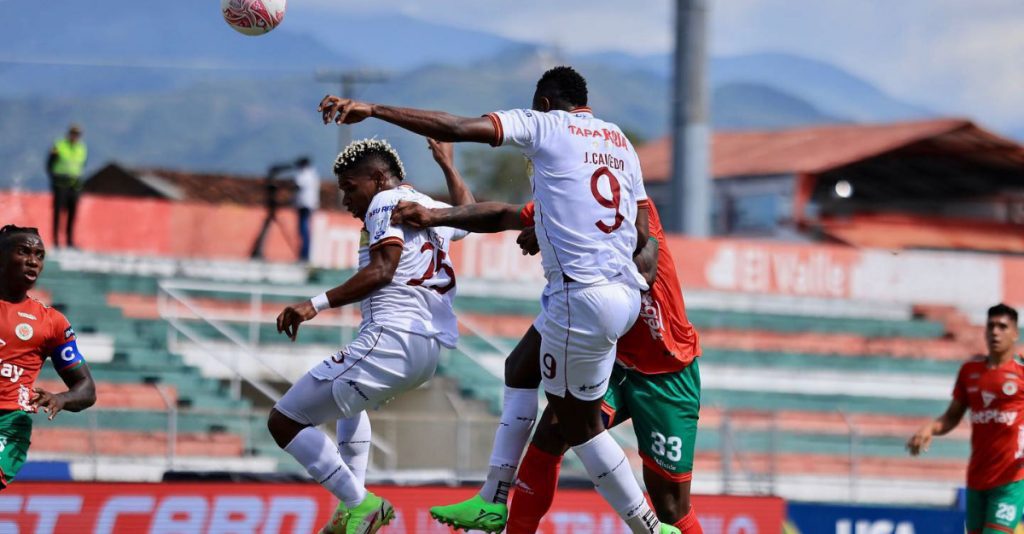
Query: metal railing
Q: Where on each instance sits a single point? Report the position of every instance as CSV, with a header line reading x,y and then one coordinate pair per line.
x,y
834,458
238,322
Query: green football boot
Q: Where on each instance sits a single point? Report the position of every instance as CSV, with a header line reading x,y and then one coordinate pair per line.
x,y
472,514
366,518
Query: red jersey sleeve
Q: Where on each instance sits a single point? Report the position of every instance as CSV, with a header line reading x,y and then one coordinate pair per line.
x,y
959,388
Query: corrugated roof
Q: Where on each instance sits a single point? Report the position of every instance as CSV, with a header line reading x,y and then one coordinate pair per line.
x,y
810,150
223,188
895,231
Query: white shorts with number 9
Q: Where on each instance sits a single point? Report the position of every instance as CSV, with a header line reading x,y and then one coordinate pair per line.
x,y
579,326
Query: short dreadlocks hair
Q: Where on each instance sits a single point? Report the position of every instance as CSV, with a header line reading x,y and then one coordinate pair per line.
x,y
565,83
8,232
359,151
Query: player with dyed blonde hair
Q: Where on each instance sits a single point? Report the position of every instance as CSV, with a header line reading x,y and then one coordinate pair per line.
x,y
405,286
587,188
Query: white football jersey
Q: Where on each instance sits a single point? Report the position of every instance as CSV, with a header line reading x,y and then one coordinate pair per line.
x,y
586,184
419,297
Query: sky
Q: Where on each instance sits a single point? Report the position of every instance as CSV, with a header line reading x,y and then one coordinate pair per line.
x,y
959,57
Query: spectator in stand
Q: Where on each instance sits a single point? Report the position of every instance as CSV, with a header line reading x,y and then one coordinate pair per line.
x,y
307,201
64,167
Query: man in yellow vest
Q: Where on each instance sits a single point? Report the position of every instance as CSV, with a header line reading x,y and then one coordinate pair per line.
x,y
64,166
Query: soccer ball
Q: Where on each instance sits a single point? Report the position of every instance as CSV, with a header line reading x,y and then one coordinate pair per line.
x,y
253,17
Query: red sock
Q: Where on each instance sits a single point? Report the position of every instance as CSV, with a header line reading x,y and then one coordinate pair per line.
x,y
689,524
534,491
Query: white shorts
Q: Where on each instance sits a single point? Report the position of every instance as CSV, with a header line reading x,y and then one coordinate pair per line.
x,y
579,326
378,365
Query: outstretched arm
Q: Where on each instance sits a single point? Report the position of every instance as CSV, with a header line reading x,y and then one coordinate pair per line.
x,y
481,217
80,395
942,425
378,273
434,124
443,154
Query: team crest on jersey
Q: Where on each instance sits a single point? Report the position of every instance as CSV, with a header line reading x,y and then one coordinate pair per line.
x,y
27,316
1009,388
987,398
24,331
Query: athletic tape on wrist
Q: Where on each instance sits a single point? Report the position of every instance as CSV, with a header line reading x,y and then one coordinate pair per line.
x,y
320,302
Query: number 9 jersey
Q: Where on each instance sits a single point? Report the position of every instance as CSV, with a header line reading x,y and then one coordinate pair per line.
x,y
586,184
419,297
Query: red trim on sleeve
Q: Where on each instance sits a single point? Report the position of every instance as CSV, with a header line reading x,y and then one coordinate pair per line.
x,y
388,241
643,204
499,131
674,477
526,214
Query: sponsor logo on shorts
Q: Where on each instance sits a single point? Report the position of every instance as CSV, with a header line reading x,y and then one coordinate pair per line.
x,y
357,389
665,465
339,357
24,331
985,417
27,316
584,387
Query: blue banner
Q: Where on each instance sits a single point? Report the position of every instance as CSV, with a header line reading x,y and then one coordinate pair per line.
x,y
805,518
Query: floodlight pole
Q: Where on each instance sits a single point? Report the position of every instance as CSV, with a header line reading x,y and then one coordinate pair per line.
x,y
348,79
691,180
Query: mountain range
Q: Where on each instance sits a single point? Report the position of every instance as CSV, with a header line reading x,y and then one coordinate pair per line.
x,y
174,86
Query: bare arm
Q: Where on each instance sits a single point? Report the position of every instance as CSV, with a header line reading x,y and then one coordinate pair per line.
x,y
643,228
434,124
647,260
378,273
942,425
80,395
481,217
443,154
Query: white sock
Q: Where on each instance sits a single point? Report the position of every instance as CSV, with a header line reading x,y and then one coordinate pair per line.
x,y
518,413
354,443
609,469
319,455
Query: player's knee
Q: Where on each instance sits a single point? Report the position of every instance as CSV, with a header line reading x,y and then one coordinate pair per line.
x,y
520,375
579,421
522,367
282,428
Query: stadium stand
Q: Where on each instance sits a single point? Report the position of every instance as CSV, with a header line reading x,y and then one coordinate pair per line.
x,y
786,395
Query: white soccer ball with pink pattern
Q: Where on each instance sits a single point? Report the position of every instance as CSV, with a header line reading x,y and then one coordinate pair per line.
x,y
253,17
